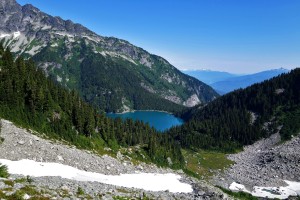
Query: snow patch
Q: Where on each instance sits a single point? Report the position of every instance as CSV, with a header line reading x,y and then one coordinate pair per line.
x,y
16,34
238,187
54,45
4,35
146,181
293,189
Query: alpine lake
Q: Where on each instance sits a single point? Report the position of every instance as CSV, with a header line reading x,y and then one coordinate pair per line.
x,y
159,120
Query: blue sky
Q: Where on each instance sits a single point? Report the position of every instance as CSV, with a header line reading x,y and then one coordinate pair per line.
x,y
240,36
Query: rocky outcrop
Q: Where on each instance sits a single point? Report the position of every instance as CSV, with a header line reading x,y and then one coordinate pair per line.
x,y
192,101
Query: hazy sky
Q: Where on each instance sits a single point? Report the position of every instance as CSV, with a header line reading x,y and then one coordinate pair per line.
x,y
238,36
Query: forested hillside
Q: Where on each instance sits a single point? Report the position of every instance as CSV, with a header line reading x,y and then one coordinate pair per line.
x,y
31,100
244,116
107,83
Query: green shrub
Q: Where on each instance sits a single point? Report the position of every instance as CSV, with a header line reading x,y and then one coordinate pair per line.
x,y
9,183
238,195
29,179
80,191
3,171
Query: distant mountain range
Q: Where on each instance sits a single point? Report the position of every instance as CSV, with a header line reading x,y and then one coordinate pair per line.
x,y
108,72
209,76
233,83
224,82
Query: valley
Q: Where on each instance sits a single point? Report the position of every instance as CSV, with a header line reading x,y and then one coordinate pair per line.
x,y
86,116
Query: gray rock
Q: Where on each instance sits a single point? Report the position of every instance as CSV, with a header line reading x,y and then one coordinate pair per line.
x,y
169,161
26,196
18,186
2,185
60,158
21,142
65,188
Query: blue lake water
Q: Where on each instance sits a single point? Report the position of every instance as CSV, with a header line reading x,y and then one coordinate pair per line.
x,y
159,120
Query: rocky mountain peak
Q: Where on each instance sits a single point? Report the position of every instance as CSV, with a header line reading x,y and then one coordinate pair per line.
x,y
6,3
9,15
8,6
30,8
30,20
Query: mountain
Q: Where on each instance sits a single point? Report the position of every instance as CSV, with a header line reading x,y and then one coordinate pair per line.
x,y
233,83
209,76
244,116
108,72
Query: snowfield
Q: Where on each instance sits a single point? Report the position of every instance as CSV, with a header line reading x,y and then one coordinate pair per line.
x,y
146,181
293,189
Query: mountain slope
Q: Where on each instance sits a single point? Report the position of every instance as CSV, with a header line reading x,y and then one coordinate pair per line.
x,y
234,83
31,100
56,158
244,116
110,73
208,76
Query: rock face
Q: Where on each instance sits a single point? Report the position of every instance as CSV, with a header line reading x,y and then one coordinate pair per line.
x,y
192,101
52,42
265,163
15,17
35,148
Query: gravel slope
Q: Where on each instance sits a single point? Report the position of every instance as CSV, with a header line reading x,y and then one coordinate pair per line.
x,y
21,144
265,163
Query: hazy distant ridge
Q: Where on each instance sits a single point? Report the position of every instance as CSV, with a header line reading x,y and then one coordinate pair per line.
x,y
209,76
224,82
233,83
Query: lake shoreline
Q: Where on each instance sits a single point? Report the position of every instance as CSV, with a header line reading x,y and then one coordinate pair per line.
x,y
160,120
133,111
